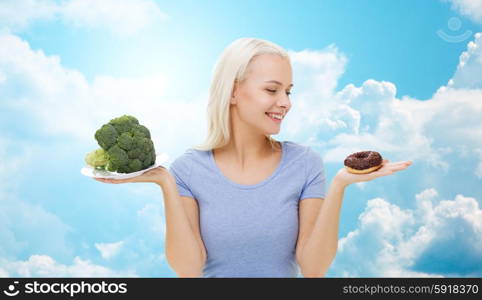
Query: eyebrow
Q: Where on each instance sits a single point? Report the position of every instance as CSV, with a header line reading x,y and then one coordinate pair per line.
x,y
277,82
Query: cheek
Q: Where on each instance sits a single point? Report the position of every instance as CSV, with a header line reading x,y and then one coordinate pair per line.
x,y
255,103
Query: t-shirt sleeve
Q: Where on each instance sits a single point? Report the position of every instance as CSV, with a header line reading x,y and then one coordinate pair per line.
x,y
181,170
315,182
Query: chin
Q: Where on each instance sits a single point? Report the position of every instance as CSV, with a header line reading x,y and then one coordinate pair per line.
x,y
271,132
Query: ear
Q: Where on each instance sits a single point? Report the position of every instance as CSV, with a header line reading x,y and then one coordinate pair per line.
x,y
233,94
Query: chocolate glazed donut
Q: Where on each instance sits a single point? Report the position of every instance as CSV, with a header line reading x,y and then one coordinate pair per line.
x,y
363,162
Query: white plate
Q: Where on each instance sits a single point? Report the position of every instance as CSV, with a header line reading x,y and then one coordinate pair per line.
x,y
89,171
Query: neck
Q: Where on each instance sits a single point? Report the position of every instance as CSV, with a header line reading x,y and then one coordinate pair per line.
x,y
246,150
246,146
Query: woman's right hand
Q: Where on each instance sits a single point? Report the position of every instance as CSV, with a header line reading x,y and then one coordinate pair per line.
x,y
157,175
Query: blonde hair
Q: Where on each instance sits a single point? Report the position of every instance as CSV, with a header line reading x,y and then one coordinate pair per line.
x,y
230,67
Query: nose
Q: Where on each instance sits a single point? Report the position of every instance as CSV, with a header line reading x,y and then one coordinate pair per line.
x,y
284,102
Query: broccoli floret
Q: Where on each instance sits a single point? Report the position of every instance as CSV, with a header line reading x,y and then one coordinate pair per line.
x,y
124,169
142,156
149,160
124,123
134,153
117,158
125,141
145,145
126,146
135,165
106,136
142,131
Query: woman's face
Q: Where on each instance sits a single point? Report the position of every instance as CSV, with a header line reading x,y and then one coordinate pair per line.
x,y
266,89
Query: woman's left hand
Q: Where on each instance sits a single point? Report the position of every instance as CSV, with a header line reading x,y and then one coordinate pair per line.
x,y
388,168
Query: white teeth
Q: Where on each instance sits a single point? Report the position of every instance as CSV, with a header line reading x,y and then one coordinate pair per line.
x,y
276,116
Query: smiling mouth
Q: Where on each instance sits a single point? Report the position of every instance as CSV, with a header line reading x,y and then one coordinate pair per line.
x,y
274,118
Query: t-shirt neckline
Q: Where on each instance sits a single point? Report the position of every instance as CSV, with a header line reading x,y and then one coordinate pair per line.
x,y
250,186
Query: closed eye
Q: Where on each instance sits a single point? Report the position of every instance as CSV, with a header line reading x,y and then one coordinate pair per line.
x,y
274,91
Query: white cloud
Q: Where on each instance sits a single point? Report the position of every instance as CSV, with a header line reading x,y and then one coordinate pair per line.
x,y
478,169
150,216
468,73
435,132
469,8
383,123
52,95
315,77
19,14
109,250
393,242
354,118
36,86
317,71
40,95
23,224
124,17
23,228
3,273
46,266
15,158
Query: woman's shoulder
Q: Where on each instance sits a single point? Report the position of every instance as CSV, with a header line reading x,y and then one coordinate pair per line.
x,y
297,151
310,159
297,148
191,156
187,155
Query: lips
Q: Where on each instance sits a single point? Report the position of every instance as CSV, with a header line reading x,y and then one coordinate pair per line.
x,y
273,119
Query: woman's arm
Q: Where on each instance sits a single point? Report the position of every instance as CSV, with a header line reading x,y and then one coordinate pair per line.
x,y
320,248
321,245
183,252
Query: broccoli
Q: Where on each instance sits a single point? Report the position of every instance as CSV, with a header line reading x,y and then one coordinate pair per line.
x,y
126,146
97,158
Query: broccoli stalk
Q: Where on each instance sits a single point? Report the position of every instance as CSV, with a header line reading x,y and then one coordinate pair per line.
x,y
97,159
126,146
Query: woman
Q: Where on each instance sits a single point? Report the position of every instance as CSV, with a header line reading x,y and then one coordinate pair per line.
x,y
243,204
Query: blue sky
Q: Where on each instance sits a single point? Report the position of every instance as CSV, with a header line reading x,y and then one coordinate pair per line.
x,y
408,52
367,74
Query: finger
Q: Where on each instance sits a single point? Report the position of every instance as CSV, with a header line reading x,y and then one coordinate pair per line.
x,y
100,179
398,168
384,171
403,163
113,181
116,181
380,173
397,165
105,180
383,166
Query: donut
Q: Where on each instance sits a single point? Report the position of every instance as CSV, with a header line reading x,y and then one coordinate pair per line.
x,y
363,162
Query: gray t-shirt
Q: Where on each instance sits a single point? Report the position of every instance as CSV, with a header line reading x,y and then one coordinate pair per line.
x,y
250,230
